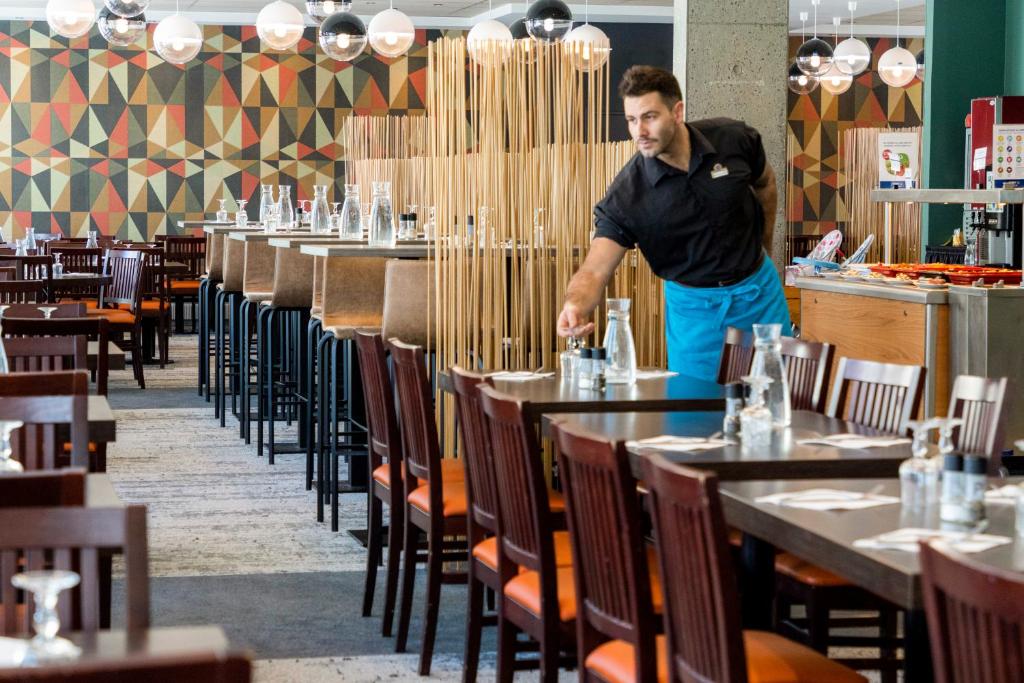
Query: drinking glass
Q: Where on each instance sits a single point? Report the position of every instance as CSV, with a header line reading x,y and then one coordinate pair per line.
x,y
93,241
7,427
222,212
47,311
241,217
756,418
45,587
920,474
307,208
272,222
21,250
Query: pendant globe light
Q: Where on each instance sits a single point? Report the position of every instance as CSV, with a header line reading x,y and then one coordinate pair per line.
x,y
852,56
587,45
118,30
490,41
919,58
127,8
526,51
321,9
280,25
391,32
814,57
834,80
799,82
343,36
548,20
177,39
70,18
897,66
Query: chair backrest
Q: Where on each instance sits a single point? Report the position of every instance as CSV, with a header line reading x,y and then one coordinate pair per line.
x,y
613,588
416,417
75,309
409,302
8,273
207,667
46,354
702,620
30,267
477,456
883,396
75,536
77,259
974,618
188,250
981,403
526,520
153,285
84,327
45,402
23,292
47,488
737,354
379,397
125,267
808,368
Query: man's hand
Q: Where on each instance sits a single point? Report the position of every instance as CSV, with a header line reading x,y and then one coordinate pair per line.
x,y
587,286
572,322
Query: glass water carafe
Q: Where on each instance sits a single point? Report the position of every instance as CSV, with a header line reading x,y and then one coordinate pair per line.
x,y
620,365
768,363
382,220
320,214
351,220
266,201
285,207
30,238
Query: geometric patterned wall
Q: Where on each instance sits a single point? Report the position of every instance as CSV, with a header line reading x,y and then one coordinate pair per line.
x,y
814,196
118,140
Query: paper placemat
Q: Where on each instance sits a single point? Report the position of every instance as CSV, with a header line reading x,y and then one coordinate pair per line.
x,y
907,539
667,442
520,375
828,499
1004,495
654,374
12,651
854,441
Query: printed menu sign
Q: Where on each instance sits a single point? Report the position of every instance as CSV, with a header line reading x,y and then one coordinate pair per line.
x,y
898,155
1008,155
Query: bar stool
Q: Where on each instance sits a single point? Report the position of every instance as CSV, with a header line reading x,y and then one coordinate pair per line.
x,y
207,292
226,303
314,331
281,368
257,288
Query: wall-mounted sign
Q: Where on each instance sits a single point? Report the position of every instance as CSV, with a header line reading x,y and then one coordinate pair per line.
x,y
898,155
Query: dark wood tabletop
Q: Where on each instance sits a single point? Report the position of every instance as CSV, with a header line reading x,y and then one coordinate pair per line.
x,y
553,395
119,644
99,491
115,356
174,268
102,425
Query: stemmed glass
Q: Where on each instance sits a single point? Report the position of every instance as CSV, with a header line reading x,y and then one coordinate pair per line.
x,y
241,217
222,212
45,587
335,216
6,451
47,311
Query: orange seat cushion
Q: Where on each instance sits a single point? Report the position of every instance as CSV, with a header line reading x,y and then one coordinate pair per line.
x,y
774,659
151,305
453,498
487,551
451,470
805,572
114,316
615,662
524,590
556,501
183,287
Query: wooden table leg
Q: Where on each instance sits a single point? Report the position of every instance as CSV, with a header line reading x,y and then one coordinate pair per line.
x,y
917,649
757,582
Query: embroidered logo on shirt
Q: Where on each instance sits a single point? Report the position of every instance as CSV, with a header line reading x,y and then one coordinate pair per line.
x,y
719,171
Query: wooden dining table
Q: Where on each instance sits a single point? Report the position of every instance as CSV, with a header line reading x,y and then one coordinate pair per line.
x,y
115,355
826,538
102,425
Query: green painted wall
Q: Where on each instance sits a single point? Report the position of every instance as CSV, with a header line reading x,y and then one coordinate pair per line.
x,y
1014,47
965,59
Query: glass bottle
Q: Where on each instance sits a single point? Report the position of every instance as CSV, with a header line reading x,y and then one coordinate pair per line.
x,y
266,201
7,461
320,214
756,419
5,366
620,367
920,474
351,220
286,208
768,362
30,238
382,220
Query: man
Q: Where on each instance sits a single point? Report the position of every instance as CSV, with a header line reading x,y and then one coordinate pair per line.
x,y
699,201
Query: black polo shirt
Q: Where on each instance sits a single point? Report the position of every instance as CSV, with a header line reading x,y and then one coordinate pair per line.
x,y
700,228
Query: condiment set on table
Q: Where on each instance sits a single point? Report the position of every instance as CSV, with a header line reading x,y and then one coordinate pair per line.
x,y
614,363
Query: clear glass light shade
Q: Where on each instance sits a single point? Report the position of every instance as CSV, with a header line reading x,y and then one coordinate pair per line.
x,y
127,8
321,9
391,33
280,25
177,39
814,57
897,67
799,82
70,18
548,20
488,42
524,50
120,31
852,56
588,47
920,64
343,36
835,81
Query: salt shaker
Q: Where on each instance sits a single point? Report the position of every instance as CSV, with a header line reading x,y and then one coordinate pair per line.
x,y
584,372
952,507
975,482
597,365
733,405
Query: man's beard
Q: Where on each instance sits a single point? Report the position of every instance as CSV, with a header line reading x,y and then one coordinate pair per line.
x,y
657,145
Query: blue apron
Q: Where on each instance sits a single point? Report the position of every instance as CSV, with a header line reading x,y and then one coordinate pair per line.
x,y
696,318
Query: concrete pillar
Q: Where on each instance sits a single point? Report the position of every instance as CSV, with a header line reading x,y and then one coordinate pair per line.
x,y
730,58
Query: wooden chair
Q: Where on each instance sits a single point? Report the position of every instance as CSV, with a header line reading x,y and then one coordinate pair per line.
x,y
78,259
883,396
202,666
436,505
981,403
120,303
737,354
74,537
47,488
808,368
184,288
8,273
30,267
46,354
704,640
618,594
153,297
541,599
975,617
46,402
23,292
83,327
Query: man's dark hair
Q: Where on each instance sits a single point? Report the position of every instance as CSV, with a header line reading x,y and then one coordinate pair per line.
x,y
640,80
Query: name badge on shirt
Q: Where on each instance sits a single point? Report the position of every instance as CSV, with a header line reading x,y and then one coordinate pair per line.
x,y
719,171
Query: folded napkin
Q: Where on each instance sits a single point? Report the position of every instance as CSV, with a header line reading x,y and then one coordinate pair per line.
x,y
906,540
79,275
654,374
854,441
1004,495
684,444
827,499
12,651
519,375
